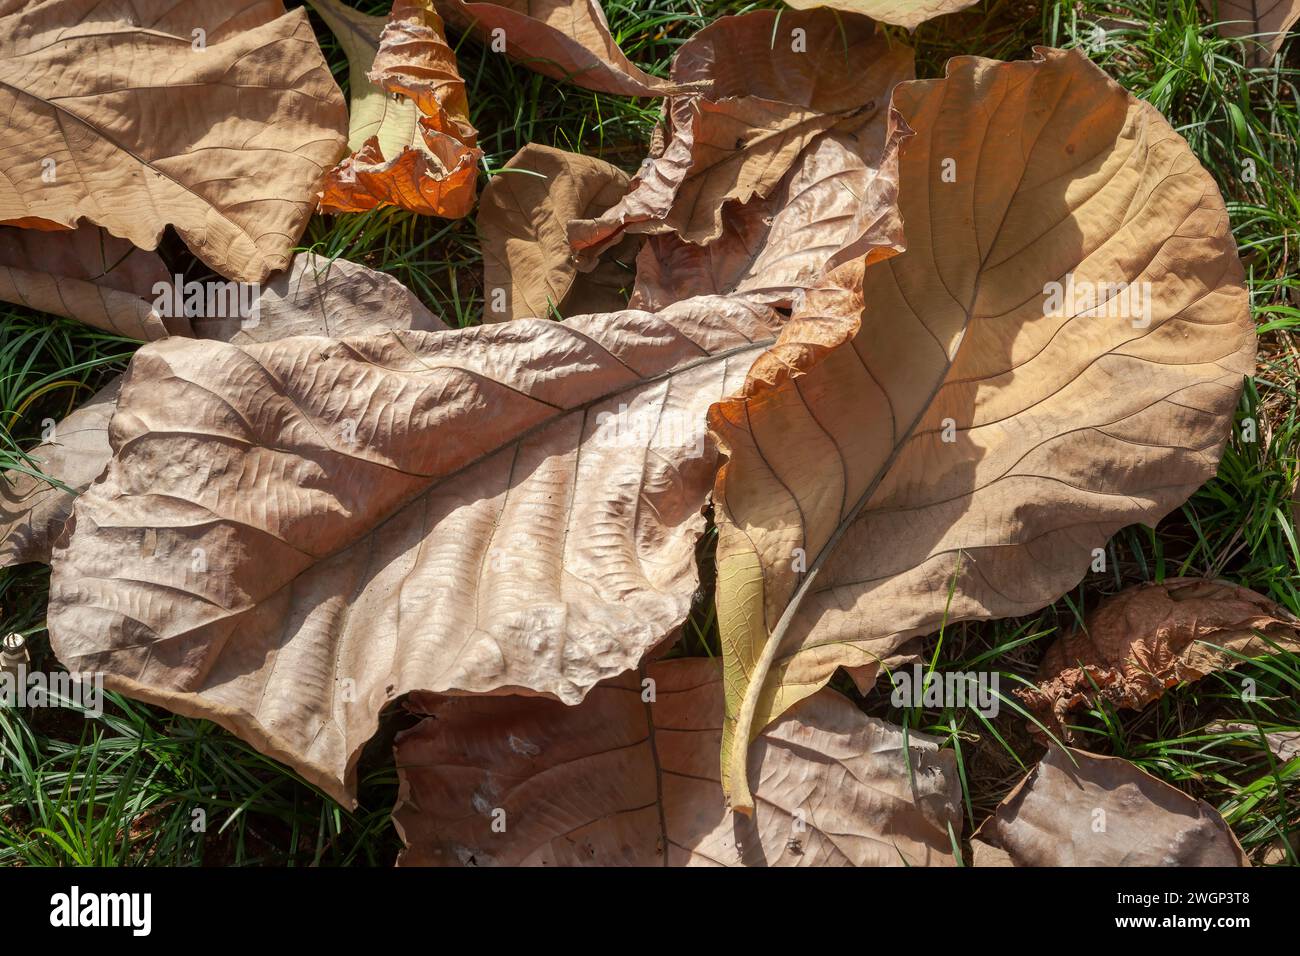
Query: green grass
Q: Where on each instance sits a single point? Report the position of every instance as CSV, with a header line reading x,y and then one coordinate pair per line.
x,y
124,788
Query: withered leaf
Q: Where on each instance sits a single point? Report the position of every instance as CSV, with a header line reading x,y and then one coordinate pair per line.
x,y
765,96
563,39
528,270
630,777
219,119
292,534
421,152
316,296
88,275
953,419
1080,809
1149,637
1262,24
839,201
904,13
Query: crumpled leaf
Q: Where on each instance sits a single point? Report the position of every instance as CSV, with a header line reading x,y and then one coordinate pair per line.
x,y
521,225
936,422
1104,811
419,149
316,296
33,510
219,119
563,39
1152,636
838,202
507,508
622,780
1262,23
768,90
88,275
903,13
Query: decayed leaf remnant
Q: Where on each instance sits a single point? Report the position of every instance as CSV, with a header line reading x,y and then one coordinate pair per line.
x,y
419,152
1150,637
988,417
1081,809
125,98
630,777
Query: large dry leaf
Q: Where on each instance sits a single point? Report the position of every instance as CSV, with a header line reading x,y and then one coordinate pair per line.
x,y
620,780
936,421
316,296
838,202
1081,809
1263,24
219,119
88,275
904,13
528,269
1150,637
563,39
421,154
768,90
508,508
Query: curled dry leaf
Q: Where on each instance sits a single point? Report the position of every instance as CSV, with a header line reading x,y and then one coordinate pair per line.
x,y
528,270
839,201
563,39
764,97
219,119
1263,24
939,421
1152,636
903,13
508,508
629,777
88,275
1080,809
315,296
410,112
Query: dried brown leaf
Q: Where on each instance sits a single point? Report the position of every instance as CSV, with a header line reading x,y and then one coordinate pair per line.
x,y
1080,809
1263,24
768,90
219,119
904,13
935,424
623,780
508,508
563,39
1148,638
528,269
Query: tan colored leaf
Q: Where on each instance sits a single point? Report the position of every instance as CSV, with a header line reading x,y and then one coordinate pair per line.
x,y
563,39
32,509
938,422
838,201
426,162
904,13
620,780
315,297
1285,744
521,225
1150,637
769,89
1263,23
1080,809
507,508
224,133
88,275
